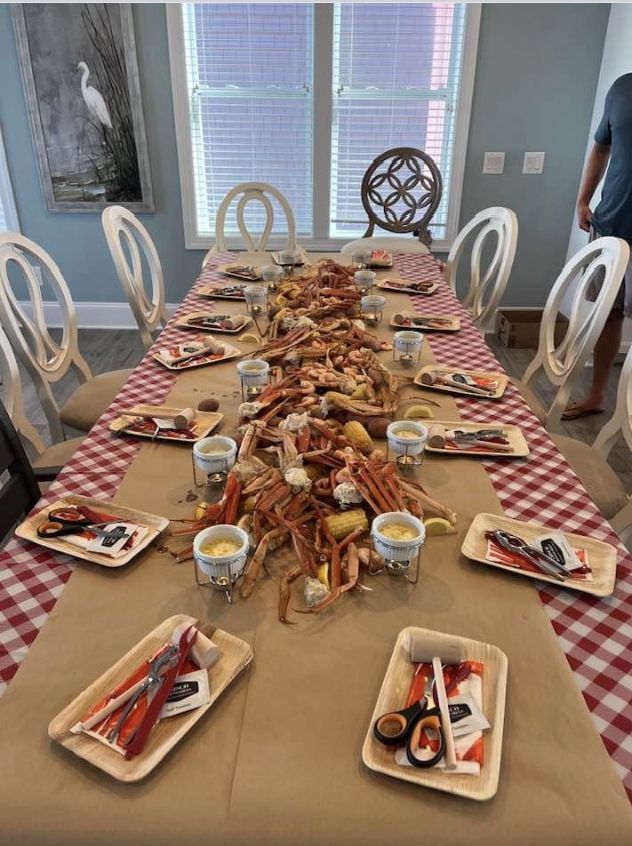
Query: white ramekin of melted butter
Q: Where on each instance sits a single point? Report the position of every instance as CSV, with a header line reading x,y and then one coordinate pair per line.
x,y
221,552
397,535
253,371
215,454
405,437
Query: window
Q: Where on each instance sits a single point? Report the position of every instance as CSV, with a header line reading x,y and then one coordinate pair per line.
x,y
304,96
8,212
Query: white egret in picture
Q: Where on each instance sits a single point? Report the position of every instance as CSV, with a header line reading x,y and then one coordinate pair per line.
x,y
93,99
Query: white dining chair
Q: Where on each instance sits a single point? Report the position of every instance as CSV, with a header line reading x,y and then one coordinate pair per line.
x,y
244,193
13,400
124,230
605,260
46,360
496,227
590,461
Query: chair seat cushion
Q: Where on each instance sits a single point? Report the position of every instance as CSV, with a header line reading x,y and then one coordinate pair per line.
x,y
531,400
597,476
59,454
91,399
392,244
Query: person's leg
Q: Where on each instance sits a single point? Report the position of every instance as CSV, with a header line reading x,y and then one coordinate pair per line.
x,y
605,352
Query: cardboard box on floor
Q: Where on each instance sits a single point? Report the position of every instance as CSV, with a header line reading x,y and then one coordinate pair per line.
x,y
520,327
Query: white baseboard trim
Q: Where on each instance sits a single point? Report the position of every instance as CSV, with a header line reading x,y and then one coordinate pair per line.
x,y
94,315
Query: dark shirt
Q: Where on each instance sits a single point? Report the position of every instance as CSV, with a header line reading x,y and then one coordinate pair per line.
x,y
613,215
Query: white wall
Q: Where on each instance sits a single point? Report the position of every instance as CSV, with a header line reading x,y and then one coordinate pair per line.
x,y
616,60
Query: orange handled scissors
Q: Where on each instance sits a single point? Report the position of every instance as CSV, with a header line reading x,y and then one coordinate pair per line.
x,y
405,727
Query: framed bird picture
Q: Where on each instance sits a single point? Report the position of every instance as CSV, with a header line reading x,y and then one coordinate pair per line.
x,y
80,75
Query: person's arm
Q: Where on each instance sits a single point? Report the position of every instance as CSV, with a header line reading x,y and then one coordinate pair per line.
x,y
593,174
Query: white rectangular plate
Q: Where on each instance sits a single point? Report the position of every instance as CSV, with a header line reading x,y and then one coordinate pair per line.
x,y
514,436
201,361
400,287
502,379
420,322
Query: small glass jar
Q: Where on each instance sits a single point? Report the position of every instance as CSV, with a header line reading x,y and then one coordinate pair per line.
x,y
361,258
407,347
372,309
271,275
256,299
287,260
365,280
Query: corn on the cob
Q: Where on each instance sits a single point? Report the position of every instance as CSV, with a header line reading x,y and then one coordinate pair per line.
x,y
358,435
340,525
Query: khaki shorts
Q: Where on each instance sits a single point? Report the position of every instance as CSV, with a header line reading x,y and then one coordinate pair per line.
x,y
623,301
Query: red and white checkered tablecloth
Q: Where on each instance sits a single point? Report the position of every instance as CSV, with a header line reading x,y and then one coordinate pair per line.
x,y
32,578
595,634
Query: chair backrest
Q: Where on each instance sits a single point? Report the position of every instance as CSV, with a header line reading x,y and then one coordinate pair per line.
x,y
621,421
597,269
401,191
18,487
11,392
253,192
486,287
45,360
123,229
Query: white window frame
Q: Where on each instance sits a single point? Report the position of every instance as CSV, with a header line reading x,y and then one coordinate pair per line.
x,y
6,192
323,38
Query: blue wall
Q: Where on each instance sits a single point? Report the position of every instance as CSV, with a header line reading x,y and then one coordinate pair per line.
x,y
536,76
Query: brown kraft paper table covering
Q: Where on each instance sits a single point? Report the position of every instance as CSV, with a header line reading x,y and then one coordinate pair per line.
x,y
278,759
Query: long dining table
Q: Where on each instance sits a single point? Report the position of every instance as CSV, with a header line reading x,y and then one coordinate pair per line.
x,y
277,760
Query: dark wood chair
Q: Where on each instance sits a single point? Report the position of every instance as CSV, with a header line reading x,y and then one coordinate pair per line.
x,y
401,191
19,488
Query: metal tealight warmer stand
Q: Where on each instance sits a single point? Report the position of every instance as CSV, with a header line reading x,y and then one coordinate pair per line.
x,y
407,348
220,571
372,309
406,440
254,374
214,457
401,555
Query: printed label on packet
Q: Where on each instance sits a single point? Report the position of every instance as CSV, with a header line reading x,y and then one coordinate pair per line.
x,y
465,715
555,545
191,690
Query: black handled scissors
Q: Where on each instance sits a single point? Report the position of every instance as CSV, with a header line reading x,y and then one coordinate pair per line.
x,y
70,521
399,728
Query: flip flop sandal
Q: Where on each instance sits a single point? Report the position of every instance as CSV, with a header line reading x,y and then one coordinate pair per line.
x,y
576,412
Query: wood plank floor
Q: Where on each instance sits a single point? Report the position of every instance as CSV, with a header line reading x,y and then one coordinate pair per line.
x,y
115,349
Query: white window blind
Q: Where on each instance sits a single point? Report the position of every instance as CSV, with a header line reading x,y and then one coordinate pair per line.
x,y
373,76
249,74
396,77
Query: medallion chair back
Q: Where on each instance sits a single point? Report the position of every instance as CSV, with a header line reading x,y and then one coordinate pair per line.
x,y
249,192
596,270
46,360
496,225
127,237
401,191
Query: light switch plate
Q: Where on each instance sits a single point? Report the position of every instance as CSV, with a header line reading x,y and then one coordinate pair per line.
x,y
533,163
493,163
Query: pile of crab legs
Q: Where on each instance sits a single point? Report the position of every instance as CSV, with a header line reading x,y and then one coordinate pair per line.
x,y
295,467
